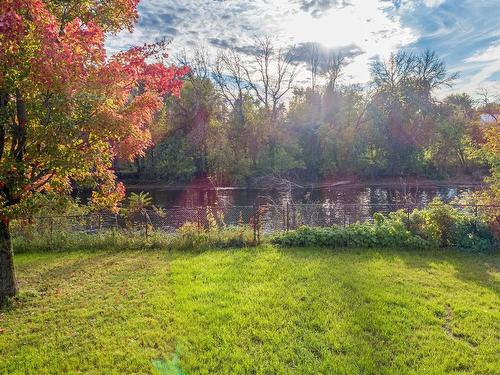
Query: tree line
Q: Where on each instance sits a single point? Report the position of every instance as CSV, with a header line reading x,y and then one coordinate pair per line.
x,y
243,114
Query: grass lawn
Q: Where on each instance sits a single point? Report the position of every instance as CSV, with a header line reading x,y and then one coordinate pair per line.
x,y
261,310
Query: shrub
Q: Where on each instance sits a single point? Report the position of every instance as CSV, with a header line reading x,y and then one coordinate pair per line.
x,y
439,222
468,233
443,224
439,225
356,235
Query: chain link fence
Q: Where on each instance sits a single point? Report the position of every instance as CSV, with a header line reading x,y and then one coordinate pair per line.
x,y
263,219
323,215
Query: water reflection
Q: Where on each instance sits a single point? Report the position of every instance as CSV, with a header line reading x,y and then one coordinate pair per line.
x,y
364,195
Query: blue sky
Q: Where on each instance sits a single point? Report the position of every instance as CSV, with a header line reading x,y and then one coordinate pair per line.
x,y
466,33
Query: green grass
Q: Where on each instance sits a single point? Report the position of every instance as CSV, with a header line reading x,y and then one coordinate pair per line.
x,y
261,310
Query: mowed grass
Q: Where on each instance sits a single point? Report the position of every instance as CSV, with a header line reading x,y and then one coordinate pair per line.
x,y
261,310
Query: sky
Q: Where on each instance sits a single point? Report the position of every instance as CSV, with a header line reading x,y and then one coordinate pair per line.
x,y
465,33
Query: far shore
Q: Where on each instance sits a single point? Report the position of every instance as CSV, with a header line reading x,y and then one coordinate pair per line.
x,y
341,183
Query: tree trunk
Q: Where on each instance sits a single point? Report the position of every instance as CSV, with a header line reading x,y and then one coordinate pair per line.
x,y
8,285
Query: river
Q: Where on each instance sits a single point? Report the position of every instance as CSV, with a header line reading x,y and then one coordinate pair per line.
x,y
196,196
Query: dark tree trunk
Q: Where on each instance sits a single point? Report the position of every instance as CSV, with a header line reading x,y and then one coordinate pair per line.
x,y
139,163
8,285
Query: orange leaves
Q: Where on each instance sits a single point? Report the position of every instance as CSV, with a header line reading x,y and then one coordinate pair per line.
x,y
108,197
164,80
154,77
66,59
85,42
125,72
83,108
137,118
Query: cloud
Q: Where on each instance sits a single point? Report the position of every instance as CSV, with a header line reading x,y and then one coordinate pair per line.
x,y
193,22
317,7
220,43
236,23
456,30
461,31
484,69
433,3
304,51
491,54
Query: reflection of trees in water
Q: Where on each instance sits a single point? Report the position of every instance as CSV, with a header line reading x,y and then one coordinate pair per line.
x,y
338,196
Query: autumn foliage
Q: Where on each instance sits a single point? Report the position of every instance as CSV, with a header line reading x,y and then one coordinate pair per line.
x,y
66,110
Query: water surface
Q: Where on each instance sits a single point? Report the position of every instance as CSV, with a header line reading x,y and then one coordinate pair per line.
x,y
346,194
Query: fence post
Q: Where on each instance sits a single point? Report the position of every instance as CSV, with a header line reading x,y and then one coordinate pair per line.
x,y
259,213
475,217
343,216
198,218
51,222
283,216
287,216
255,223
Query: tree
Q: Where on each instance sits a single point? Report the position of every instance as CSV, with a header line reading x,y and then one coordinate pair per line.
x,y
180,131
431,72
229,77
403,108
271,74
304,119
186,123
332,70
490,149
314,64
66,111
453,135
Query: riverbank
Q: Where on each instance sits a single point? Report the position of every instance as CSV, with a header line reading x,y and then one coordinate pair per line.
x,y
352,182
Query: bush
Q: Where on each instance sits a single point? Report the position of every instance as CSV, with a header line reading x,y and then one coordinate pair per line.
x,y
467,233
356,235
439,225
448,227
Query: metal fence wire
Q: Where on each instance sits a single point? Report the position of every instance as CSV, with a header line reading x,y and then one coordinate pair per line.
x,y
263,219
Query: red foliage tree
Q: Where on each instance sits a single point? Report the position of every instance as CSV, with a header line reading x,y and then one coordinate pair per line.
x,y
66,110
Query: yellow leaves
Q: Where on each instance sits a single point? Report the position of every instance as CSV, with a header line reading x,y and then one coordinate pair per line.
x,y
492,136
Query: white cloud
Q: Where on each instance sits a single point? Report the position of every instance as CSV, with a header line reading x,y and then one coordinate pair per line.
x,y
433,3
365,24
374,27
484,65
490,54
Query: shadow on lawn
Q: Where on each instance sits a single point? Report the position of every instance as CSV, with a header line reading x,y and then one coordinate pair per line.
x,y
84,267
477,268
469,267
